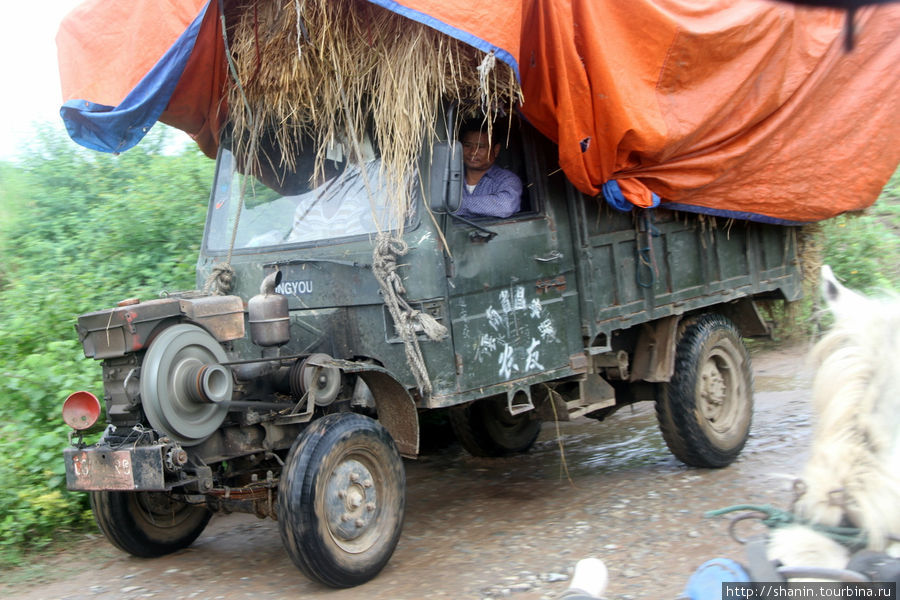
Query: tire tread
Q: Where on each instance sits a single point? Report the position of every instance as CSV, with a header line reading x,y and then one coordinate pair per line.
x,y
114,515
299,524
468,423
676,405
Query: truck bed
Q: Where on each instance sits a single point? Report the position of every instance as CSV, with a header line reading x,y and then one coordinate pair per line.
x,y
641,266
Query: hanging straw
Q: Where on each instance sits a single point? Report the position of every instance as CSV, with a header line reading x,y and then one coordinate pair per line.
x,y
330,69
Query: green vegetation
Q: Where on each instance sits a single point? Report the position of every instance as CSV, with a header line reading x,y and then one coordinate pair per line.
x,y
864,249
81,231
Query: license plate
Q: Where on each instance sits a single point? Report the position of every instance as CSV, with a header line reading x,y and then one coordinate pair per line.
x,y
102,468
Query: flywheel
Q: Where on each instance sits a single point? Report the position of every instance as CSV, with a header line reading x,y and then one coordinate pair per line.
x,y
185,390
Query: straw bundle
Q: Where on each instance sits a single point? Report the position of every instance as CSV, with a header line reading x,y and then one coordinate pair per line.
x,y
329,68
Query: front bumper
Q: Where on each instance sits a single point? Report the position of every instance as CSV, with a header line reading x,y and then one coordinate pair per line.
x,y
102,467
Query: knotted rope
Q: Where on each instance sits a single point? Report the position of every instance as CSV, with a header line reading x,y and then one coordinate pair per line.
x,y
220,281
484,71
406,319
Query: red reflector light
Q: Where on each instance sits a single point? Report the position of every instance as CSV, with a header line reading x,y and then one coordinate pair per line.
x,y
81,410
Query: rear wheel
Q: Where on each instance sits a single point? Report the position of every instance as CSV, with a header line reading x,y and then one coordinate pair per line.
x,y
341,500
705,411
486,428
148,524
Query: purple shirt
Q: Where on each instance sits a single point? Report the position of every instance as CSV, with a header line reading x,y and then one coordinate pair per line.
x,y
497,194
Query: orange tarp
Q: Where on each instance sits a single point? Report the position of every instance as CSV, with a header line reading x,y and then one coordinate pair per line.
x,y
106,46
743,108
739,107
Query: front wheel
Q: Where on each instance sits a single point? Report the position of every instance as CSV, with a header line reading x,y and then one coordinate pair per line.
x,y
148,524
704,412
341,500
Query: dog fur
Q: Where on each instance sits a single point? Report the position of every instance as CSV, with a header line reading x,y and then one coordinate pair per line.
x,y
852,476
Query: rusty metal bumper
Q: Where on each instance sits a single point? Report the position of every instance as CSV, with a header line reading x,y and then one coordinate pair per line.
x,y
103,467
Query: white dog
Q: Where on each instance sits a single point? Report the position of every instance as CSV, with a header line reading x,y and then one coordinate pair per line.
x,y
853,473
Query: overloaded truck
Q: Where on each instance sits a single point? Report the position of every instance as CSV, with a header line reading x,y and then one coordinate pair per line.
x,y
293,389
342,298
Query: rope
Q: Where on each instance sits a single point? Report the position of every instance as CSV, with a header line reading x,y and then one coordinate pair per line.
x,y
220,281
484,70
406,319
851,537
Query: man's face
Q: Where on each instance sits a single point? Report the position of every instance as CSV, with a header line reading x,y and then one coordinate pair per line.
x,y
477,154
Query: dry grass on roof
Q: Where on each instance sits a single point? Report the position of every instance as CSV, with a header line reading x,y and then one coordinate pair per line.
x,y
327,68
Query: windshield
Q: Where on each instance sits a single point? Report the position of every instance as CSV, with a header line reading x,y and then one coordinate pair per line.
x,y
299,205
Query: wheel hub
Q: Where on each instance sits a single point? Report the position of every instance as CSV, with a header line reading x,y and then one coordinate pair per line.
x,y
350,501
716,391
713,389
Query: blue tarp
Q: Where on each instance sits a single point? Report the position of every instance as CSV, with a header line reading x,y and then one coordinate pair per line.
x,y
118,128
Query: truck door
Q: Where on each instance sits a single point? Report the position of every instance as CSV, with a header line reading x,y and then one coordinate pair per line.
x,y
513,294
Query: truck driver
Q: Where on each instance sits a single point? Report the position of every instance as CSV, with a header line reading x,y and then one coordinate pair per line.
x,y
490,190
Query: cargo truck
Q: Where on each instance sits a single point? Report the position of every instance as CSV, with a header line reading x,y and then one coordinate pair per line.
x,y
293,389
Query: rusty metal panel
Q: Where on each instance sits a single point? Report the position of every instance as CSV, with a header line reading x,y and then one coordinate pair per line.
x,y
654,356
396,408
118,331
107,344
105,468
396,411
115,332
745,314
222,316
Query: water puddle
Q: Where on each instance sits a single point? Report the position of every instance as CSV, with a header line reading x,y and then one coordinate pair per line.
x,y
600,448
772,383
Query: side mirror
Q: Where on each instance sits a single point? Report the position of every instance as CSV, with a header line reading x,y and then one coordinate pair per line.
x,y
445,183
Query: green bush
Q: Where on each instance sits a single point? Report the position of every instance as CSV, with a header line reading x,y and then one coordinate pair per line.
x,y
83,231
864,249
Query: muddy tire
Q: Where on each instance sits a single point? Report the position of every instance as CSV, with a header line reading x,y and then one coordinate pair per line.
x,y
485,428
341,500
705,411
148,524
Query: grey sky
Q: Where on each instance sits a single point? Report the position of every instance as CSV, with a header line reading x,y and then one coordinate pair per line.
x,y
29,70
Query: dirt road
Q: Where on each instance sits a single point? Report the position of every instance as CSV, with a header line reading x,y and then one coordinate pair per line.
x,y
495,528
